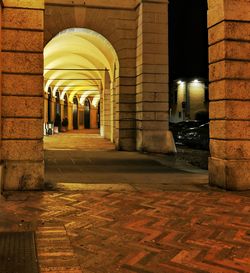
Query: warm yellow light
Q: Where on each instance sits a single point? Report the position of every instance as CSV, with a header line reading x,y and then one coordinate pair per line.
x,y
80,56
180,82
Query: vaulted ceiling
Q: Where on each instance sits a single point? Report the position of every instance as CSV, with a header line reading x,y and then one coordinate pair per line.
x,y
75,63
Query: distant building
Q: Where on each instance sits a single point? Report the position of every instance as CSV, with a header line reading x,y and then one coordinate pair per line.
x,y
188,100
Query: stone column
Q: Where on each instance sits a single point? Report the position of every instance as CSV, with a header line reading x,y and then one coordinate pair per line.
x,y
112,111
22,94
102,121
52,108
70,115
93,117
62,109
80,116
152,78
107,111
45,108
229,91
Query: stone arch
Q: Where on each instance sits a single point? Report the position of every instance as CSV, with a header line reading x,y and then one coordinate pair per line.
x,y
78,54
117,22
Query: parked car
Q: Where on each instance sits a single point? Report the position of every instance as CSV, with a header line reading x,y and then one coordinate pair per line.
x,y
175,128
197,137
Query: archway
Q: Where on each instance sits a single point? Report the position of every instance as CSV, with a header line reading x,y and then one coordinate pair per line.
x,y
82,65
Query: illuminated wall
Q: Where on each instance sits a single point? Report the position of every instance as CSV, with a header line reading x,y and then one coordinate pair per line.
x,y
190,100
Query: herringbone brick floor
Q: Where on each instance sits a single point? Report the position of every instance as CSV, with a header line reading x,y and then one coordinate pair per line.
x,y
134,231
129,229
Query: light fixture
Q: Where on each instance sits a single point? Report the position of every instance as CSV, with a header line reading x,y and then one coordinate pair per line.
x,y
196,81
180,82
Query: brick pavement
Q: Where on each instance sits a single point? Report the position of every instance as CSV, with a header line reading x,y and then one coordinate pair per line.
x,y
120,228
128,231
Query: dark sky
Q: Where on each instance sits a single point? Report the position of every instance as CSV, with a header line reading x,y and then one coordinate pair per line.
x,y
188,41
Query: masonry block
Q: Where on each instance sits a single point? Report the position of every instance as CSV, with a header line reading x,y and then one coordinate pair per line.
x,y
127,133
19,40
230,50
230,149
155,106
228,10
14,106
230,129
229,69
155,141
149,125
28,85
22,150
24,175
229,174
229,89
229,109
229,30
23,19
38,4
19,128
140,116
125,144
22,62
152,87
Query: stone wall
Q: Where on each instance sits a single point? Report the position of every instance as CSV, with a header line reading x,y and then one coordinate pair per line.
x,y
229,91
22,94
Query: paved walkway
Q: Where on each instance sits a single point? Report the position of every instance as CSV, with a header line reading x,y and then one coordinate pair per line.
x,y
127,228
85,140
88,161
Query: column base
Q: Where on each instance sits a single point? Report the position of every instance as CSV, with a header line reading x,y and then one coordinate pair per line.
x,y
155,141
229,174
23,175
125,144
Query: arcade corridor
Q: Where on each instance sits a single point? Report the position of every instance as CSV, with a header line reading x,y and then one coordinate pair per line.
x,y
91,208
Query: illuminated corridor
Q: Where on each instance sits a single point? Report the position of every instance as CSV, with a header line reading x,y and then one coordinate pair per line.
x,y
89,170
85,140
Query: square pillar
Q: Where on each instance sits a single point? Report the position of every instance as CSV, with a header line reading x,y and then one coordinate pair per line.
x,y
22,94
152,108
70,115
229,92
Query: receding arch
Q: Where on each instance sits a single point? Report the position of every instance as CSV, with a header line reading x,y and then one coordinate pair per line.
x,y
81,56
81,63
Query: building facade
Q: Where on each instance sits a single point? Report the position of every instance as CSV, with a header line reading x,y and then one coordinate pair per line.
x,y
118,58
188,100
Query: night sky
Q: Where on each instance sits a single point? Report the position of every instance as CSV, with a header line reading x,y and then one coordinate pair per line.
x,y
188,40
